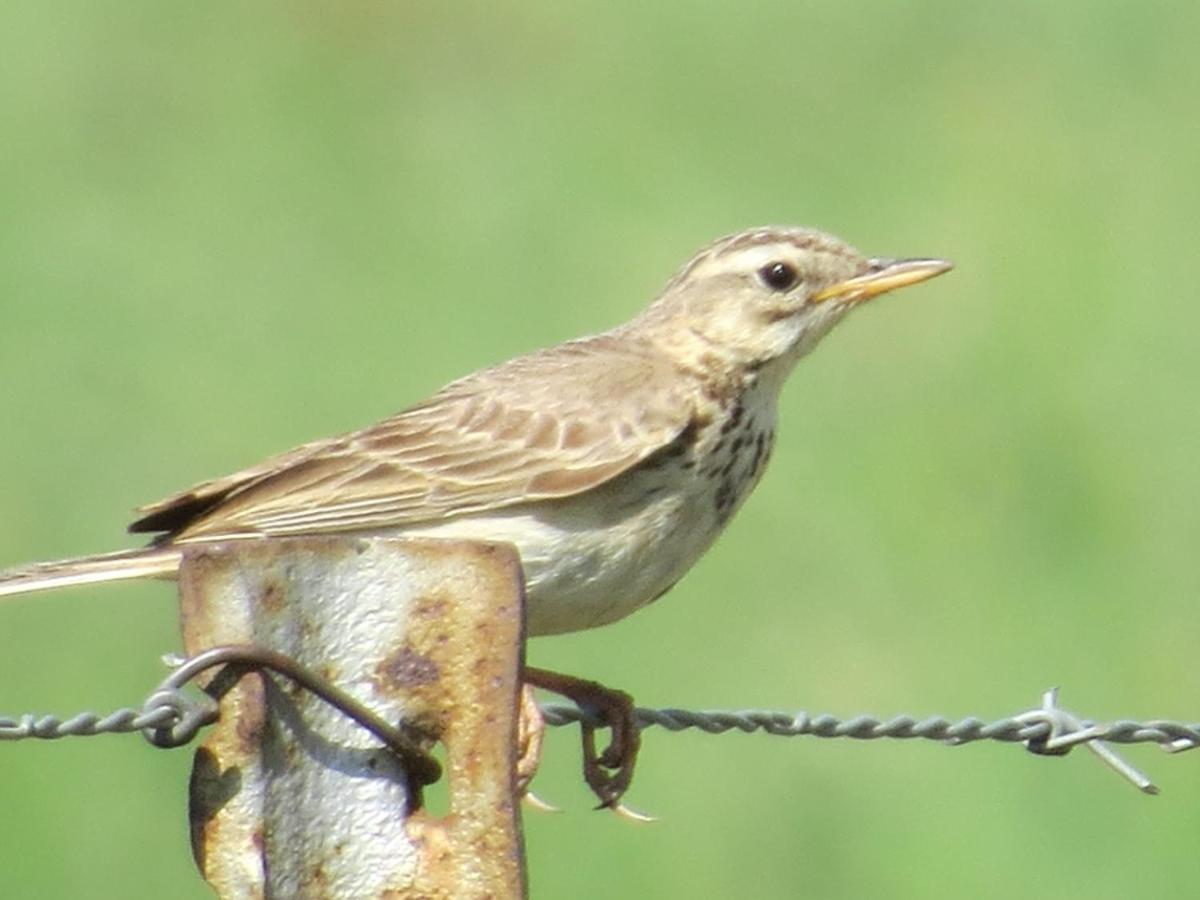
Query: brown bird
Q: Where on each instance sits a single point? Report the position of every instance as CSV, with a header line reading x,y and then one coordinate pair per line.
x,y
612,462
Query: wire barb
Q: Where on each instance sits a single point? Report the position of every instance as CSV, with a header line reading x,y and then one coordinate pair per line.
x,y
1066,731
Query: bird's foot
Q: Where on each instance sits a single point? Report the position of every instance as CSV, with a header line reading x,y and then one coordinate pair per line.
x,y
609,773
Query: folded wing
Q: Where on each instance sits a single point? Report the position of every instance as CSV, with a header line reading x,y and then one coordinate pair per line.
x,y
551,424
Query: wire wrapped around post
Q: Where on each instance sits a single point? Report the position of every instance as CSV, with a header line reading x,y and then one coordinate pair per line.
x,y
292,798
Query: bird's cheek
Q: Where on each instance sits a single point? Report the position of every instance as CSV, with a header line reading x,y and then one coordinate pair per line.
x,y
781,312
777,335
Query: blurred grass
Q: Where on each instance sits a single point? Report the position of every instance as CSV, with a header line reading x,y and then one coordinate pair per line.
x,y
230,228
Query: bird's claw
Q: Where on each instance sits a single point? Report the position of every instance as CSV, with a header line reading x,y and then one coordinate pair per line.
x,y
533,801
608,773
632,815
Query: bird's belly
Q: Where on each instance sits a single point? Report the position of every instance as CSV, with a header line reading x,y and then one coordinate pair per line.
x,y
594,559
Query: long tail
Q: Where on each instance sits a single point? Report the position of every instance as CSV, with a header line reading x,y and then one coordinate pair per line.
x,y
147,562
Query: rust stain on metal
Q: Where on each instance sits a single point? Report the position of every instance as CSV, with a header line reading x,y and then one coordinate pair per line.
x,y
204,803
317,875
273,598
476,699
407,669
210,791
329,672
252,714
432,605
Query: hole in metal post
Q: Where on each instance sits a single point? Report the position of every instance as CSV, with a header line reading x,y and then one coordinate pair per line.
x,y
434,798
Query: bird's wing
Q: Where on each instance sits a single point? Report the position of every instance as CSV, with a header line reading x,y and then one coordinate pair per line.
x,y
551,424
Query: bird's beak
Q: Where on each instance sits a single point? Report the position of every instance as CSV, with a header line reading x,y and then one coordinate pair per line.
x,y
883,275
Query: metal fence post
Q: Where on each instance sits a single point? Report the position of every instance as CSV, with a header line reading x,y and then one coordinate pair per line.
x,y
289,798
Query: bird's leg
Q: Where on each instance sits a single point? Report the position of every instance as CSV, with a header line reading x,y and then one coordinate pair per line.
x,y
608,774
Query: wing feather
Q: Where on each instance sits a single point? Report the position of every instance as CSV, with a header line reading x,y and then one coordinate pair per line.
x,y
550,424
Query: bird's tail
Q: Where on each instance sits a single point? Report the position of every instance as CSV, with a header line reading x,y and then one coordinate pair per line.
x,y
146,562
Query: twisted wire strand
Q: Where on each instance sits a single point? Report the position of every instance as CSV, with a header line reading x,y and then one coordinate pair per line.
x,y
85,724
1014,729
170,718
167,711
163,709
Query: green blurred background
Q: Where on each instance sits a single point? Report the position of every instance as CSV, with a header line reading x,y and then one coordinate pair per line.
x,y
228,228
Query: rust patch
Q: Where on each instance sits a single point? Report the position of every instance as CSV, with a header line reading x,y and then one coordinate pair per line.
x,y
209,791
252,715
407,669
272,598
433,605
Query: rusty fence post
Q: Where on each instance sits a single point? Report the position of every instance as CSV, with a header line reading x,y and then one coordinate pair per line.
x,y
289,797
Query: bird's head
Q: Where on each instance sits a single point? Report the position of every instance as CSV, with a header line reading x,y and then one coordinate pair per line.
x,y
770,294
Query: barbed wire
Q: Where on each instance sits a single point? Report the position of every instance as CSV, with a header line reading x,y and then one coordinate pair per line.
x,y
171,717
1014,729
1048,730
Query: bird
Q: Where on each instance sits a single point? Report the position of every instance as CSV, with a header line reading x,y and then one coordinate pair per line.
x,y
611,462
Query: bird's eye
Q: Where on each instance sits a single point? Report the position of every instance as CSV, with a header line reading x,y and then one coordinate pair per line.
x,y
779,276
